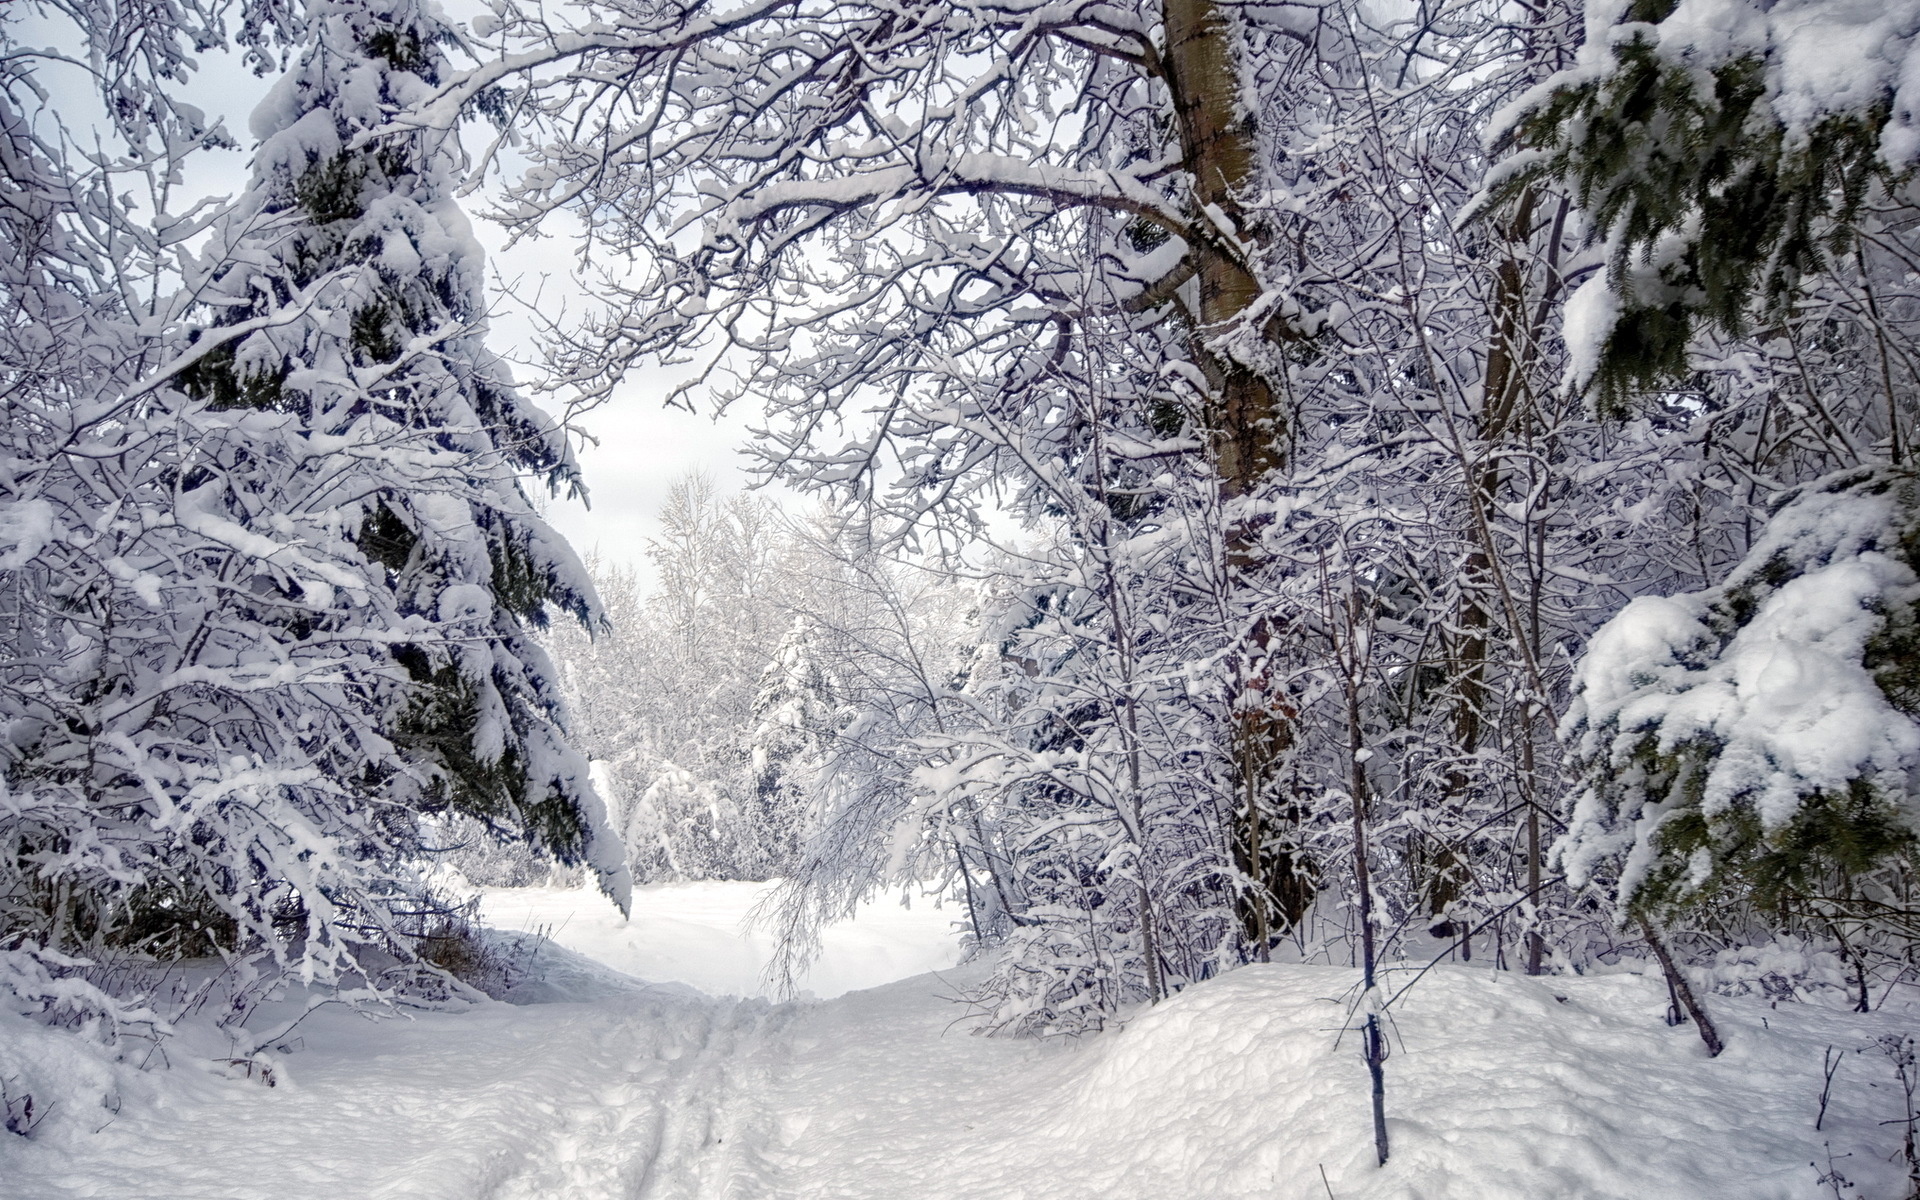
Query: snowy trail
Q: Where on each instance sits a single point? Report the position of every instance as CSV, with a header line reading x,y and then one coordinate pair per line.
x,y
547,1101
1501,1088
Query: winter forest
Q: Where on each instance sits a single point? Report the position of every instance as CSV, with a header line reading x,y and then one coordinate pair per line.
x,y
1354,565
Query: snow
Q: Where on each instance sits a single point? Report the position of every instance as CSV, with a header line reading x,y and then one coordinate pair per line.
x,y
1586,322
1787,699
25,527
1823,57
682,1083
699,934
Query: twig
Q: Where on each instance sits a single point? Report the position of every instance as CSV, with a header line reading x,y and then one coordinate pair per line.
x,y
1830,1065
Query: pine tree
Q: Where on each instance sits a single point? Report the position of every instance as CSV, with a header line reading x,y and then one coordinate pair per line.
x,y
1722,170
272,585
794,713
1753,744
351,252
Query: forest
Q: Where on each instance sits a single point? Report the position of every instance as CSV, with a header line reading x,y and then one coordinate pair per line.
x,y
1389,484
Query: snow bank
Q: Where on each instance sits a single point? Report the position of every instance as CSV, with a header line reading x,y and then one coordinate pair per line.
x,y
1500,1087
54,1084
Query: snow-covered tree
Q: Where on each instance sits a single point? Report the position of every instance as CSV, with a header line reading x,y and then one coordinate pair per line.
x,y
272,581
1758,742
1726,154
1747,177
668,688
717,700
795,711
891,643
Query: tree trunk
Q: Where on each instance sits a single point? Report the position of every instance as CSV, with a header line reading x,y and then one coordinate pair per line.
x,y
1243,419
1218,149
1374,1043
1683,991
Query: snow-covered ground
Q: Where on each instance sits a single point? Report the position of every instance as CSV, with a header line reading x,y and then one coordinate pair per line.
x,y
1500,1087
702,935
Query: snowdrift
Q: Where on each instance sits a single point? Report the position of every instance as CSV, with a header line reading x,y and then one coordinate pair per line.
x,y
1500,1087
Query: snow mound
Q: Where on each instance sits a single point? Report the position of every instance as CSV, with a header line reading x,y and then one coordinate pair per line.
x,y
1500,1087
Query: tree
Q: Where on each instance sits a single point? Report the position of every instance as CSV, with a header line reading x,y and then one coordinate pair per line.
x,y
385,351
1755,220
1724,171
670,685
796,712
936,295
77,307
1751,744
271,582
892,638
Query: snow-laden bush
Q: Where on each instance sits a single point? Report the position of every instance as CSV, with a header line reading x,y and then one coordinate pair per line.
x,y
1758,739
1786,968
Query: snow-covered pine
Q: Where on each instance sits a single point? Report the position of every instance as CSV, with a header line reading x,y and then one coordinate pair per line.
x,y
271,584
1725,151
1758,743
796,713
352,256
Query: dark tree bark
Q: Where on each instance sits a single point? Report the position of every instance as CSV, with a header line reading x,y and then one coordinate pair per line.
x,y
1683,991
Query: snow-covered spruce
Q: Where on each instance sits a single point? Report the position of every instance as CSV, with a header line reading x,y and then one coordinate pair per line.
x,y
1760,740
277,594
372,346
1726,151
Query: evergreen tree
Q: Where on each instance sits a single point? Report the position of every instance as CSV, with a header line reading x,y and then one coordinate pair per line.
x,y
1724,157
1755,744
794,712
273,585
352,255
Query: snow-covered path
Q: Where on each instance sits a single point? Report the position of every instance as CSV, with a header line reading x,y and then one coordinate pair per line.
x,y
636,1098
1501,1088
